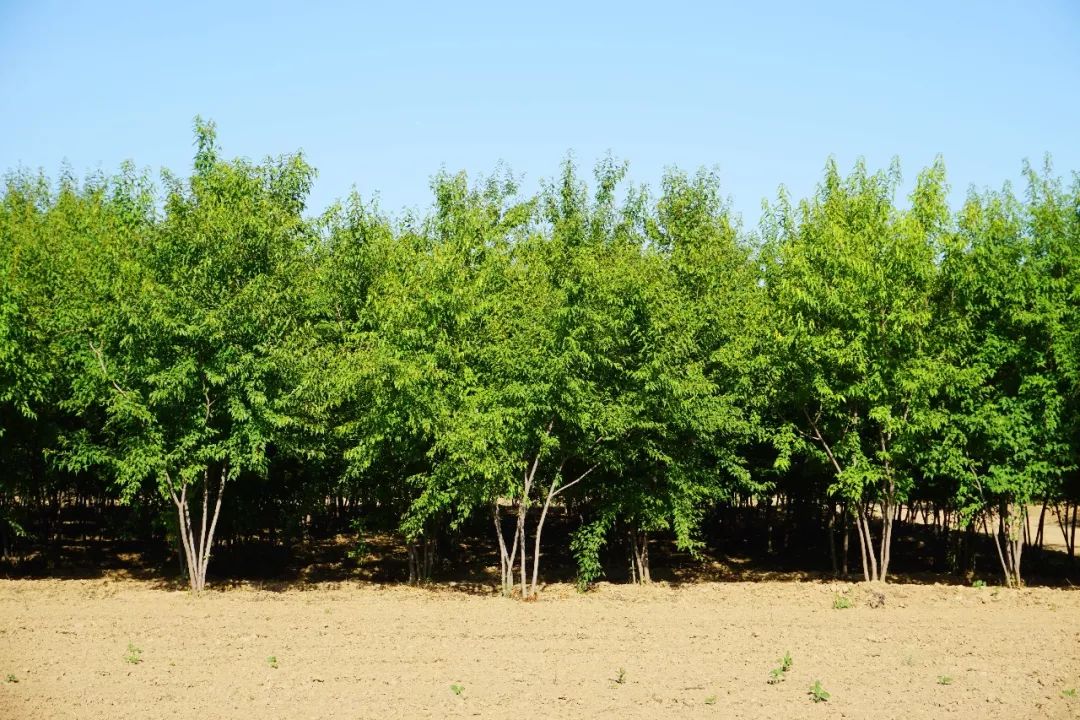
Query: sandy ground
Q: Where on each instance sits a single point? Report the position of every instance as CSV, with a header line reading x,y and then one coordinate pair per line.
x,y
364,651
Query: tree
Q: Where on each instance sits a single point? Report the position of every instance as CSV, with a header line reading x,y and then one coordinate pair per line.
x,y
690,368
850,278
183,349
1006,305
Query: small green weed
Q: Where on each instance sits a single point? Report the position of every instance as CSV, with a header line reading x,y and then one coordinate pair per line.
x,y
134,654
620,677
979,584
711,700
817,693
272,661
841,602
944,680
457,689
1069,693
776,675
11,678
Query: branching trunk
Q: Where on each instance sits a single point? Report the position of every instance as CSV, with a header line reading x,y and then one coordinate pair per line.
x,y
553,491
866,544
638,546
875,562
421,559
1039,531
506,558
1011,522
1068,528
198,540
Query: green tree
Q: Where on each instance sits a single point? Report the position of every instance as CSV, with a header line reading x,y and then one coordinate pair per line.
x,y
690,364
1006,304
183,351
851,277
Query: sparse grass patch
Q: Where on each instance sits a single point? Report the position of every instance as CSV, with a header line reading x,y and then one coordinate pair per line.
x,y
944,680
272,661
841,602
457,689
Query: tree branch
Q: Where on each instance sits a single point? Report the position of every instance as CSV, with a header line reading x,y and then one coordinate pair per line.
x,y
105,370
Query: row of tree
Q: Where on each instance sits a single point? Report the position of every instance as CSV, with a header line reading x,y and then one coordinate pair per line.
x,y
632,355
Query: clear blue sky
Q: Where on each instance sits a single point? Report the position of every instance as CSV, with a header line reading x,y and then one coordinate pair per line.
x,y
381,98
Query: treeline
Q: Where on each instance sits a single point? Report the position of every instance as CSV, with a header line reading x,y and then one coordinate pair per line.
x,y
630,354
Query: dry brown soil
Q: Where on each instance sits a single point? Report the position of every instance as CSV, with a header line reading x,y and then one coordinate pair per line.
x,y
703,650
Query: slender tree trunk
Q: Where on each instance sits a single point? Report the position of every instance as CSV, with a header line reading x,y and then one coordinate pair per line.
x,y
866,541
539,532
553,490
887,521
845,539
1072,535
197,548
1039,531
1013,521
421,559
832,540
770,517
506,559
641,553
1068,528
637,553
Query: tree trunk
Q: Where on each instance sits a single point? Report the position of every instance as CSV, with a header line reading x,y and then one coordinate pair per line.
x,y
506,559
421,559
553,490
770,516
639,551
866,545
1013,522
1009,543
1072,535
1039,531
197,545
845,540
833,559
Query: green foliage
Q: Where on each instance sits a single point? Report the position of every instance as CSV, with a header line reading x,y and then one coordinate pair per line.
x,y
851,279
629,360
841,602
457,689
620,677
944,680
817,693
272,662
778,673
133,655
11,678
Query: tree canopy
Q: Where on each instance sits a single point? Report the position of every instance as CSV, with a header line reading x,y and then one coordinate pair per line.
x,y
625,358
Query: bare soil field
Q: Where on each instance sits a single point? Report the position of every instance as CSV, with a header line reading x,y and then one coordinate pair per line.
x,y
107,648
